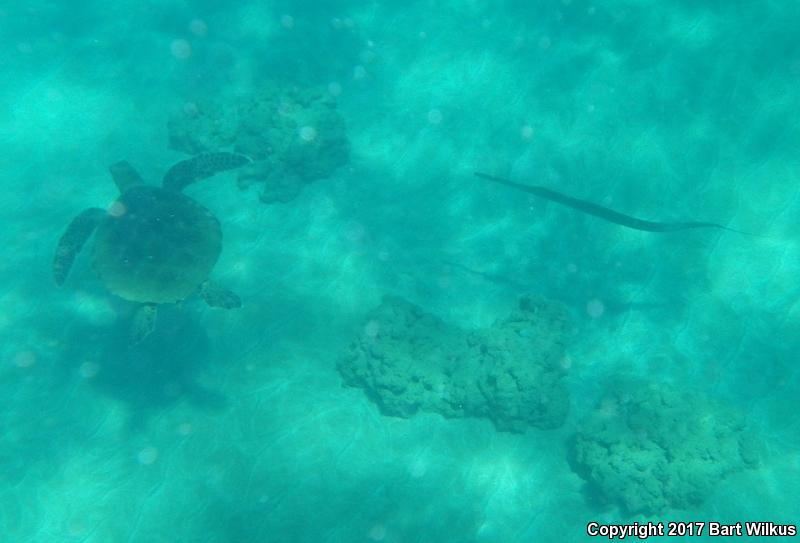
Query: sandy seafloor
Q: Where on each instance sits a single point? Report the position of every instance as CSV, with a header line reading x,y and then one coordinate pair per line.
x,y
234,426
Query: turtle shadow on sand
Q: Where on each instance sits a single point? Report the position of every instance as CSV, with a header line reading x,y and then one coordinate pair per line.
x,y
160,370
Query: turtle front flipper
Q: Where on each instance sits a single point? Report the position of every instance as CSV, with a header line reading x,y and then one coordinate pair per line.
x,y
188,171
73,239
216,296
144,322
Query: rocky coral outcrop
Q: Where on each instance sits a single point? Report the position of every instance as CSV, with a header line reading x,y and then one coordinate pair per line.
x,y
294,136
408,360
650,448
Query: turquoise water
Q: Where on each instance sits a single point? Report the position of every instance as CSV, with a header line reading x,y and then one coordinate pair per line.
x,y
381,381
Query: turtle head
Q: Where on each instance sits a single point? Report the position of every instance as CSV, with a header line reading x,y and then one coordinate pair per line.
x,y
124,175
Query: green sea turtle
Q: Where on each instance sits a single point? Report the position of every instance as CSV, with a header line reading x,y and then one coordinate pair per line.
x,y
153,245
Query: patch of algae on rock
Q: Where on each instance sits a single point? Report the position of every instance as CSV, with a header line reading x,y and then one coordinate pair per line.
x,y
650,448
294,136
408,360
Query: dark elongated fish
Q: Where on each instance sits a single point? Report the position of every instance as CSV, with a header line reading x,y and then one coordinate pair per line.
x,y
603,212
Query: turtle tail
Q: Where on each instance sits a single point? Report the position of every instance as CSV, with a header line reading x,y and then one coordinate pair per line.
x,y
199,167
73,239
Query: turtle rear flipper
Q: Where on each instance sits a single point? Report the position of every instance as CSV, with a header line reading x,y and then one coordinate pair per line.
x,y
199,167
144,322
216,296
73,239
